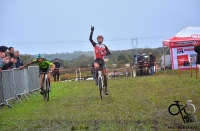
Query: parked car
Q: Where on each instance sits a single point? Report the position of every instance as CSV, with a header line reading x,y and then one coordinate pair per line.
x,y
91,78
120,74
115,74
79,79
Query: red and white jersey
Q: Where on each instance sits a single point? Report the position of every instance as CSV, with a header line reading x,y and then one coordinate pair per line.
x,y
99,50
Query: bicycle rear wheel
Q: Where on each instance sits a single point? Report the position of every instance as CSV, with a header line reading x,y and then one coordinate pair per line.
x,y
101,88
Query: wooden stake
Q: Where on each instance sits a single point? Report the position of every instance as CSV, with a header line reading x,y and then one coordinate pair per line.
x,y
164,65
179,71
191,67
196,71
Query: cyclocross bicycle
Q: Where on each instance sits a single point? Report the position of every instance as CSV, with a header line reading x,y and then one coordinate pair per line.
x,y
46,87
101,83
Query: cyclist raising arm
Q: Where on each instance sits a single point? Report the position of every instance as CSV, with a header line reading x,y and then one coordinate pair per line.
x,y
43,67
100,50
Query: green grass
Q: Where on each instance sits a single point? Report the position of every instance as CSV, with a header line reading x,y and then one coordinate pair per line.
x,y
137,104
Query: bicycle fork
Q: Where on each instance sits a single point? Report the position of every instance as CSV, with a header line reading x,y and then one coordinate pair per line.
x,y
44,82
100,78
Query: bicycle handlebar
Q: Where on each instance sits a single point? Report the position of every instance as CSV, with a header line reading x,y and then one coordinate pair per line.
x,y
43,72
98,69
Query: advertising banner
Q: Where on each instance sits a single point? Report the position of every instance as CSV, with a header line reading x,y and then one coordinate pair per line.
x,y
181,57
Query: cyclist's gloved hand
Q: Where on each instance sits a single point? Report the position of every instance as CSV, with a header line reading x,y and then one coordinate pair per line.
x,y
108,53
92,28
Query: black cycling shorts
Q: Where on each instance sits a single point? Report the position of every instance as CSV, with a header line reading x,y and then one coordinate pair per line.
x,y
44,70
100,62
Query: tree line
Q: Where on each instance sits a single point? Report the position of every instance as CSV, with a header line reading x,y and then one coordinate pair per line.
x,y
85,59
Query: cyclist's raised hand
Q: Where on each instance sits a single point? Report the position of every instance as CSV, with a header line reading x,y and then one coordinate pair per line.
x,y
92,28
108,53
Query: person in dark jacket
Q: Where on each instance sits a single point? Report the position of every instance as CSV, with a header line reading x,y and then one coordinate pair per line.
x,y
197,50
9,64
56,70
152,60
11,55
19,62
140,61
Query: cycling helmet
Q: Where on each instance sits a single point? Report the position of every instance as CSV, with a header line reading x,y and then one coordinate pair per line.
x,y
40,56
100,36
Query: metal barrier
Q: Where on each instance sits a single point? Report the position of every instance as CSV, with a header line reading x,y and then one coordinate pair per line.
x,y
34,83
1,91
17,82
8,85
26,79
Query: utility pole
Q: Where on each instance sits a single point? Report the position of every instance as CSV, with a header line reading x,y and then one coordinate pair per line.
x,y
134,56
134,47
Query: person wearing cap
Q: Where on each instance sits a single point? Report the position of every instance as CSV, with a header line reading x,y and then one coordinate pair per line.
x,y
140,61
56,70
3,49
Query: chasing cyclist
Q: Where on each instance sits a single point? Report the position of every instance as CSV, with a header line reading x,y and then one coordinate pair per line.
x,y
43,67
100,50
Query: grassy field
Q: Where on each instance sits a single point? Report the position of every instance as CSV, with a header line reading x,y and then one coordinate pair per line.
x,y
137,104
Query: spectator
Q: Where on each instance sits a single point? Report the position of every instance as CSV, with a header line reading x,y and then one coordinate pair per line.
x,y
6,62
19,61
11,55
197,50
140,61
126,72
114,73
152,60
3,58
56,70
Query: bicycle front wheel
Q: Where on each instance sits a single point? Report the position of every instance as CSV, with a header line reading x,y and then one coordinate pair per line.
x,y
44,89
47,90
101,89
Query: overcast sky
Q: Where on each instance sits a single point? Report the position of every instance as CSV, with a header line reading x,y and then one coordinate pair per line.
x,y
55,26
